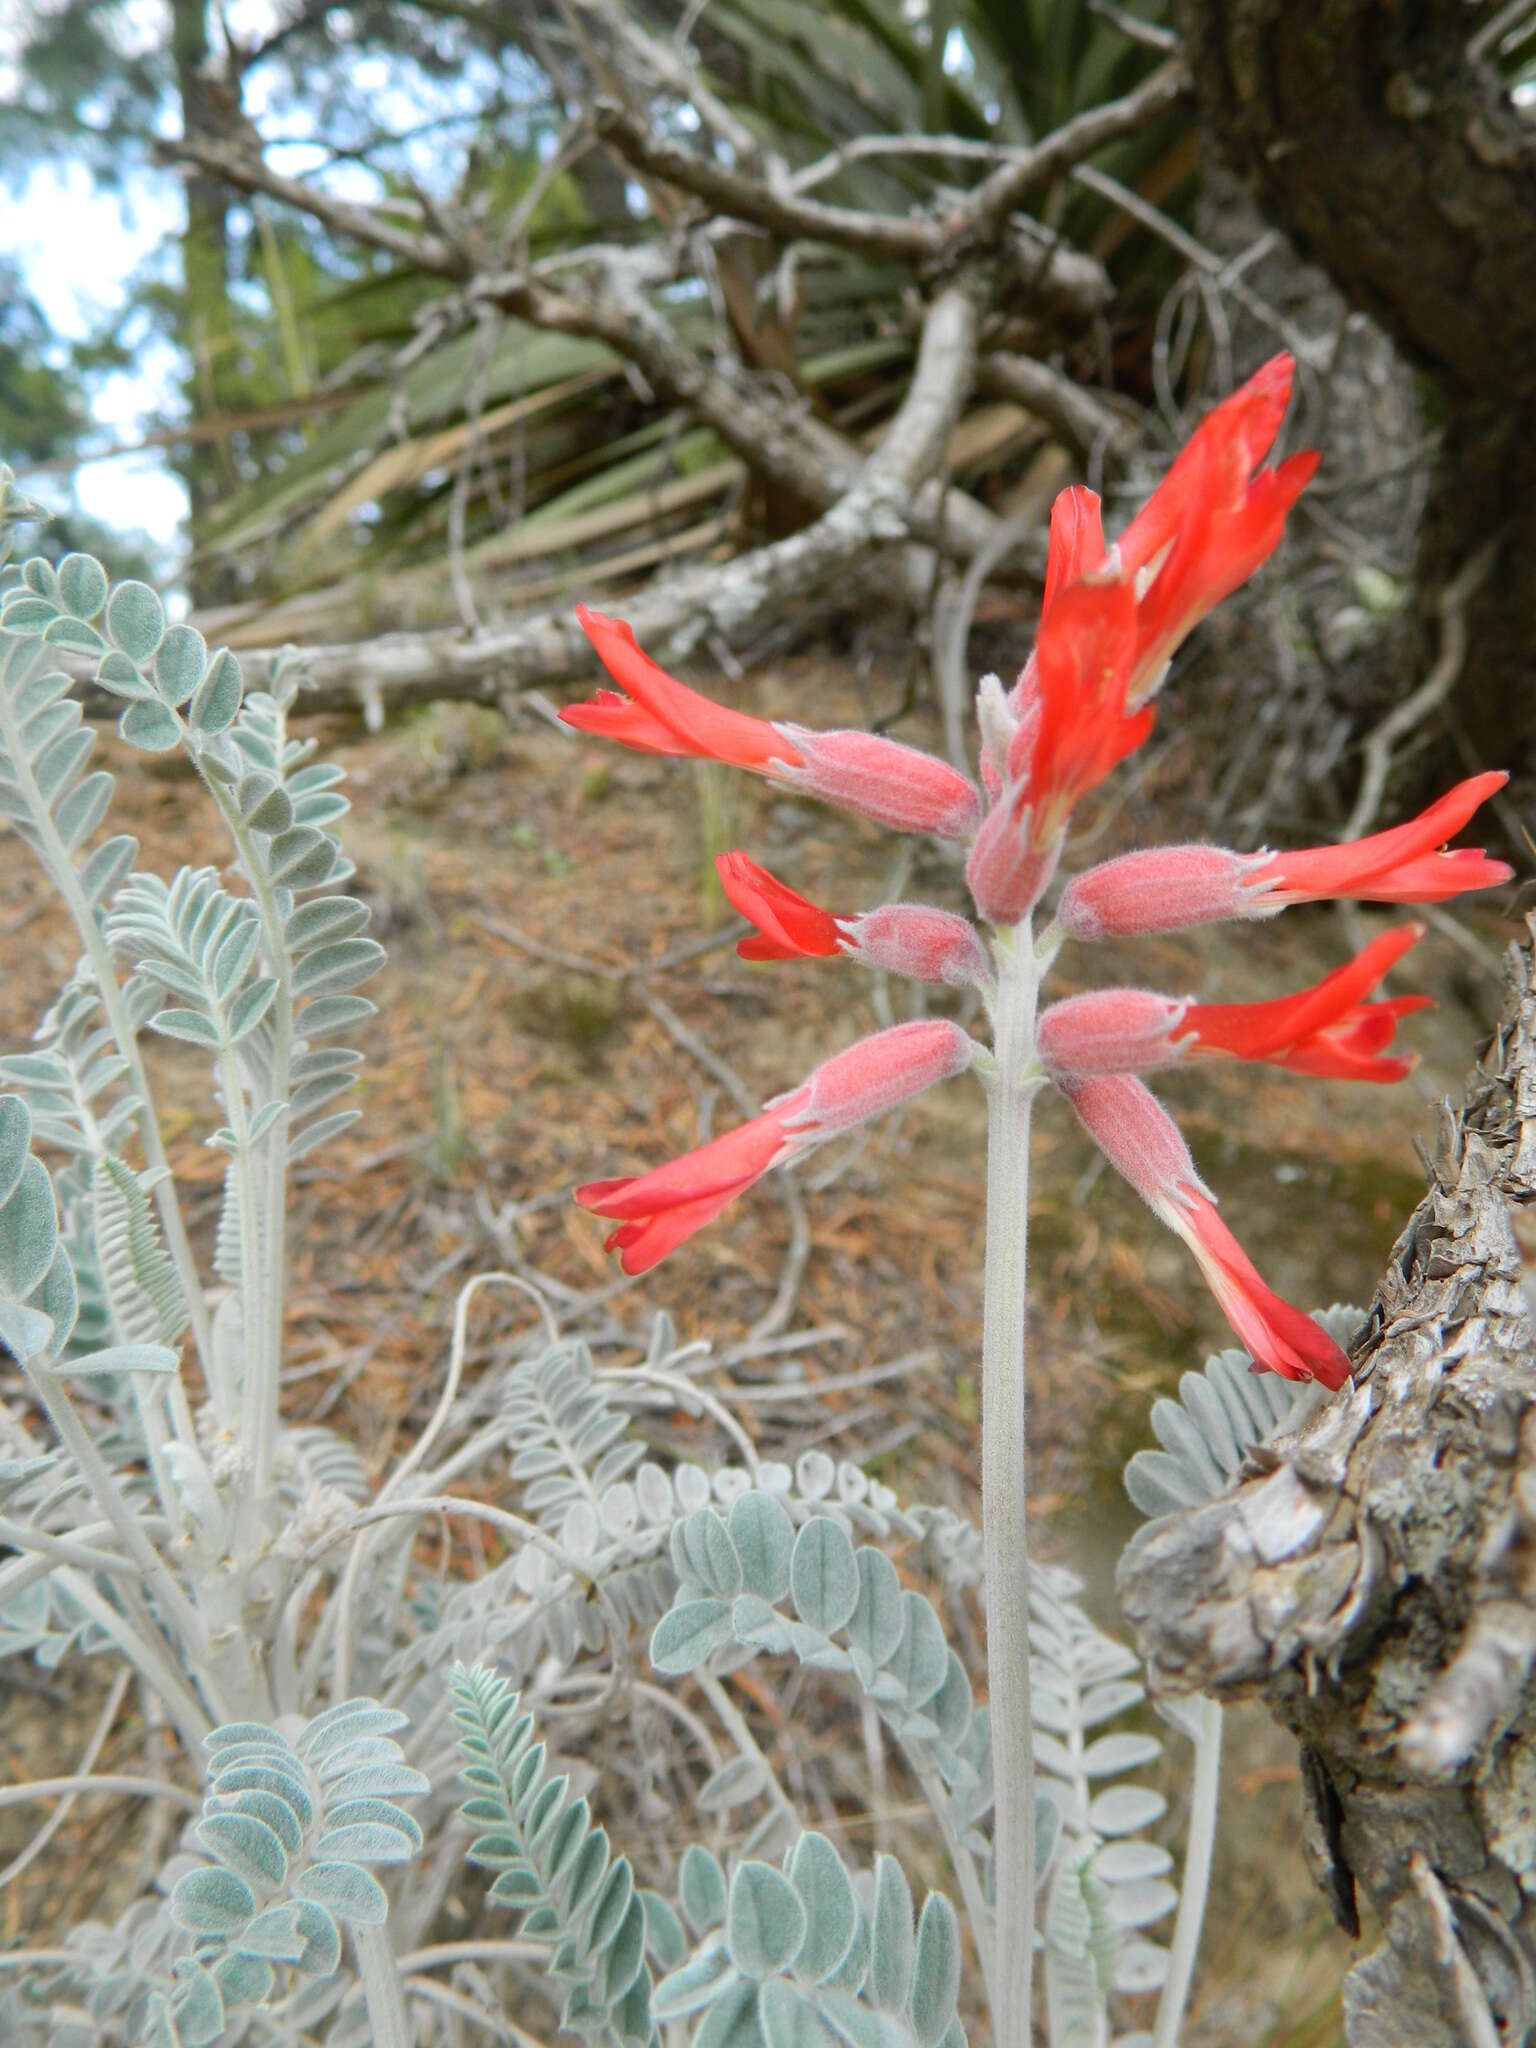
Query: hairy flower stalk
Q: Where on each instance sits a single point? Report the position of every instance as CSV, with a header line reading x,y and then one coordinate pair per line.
x,y
1112,619
1011,1088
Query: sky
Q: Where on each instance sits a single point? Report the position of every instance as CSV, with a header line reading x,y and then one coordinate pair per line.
x,y
78,246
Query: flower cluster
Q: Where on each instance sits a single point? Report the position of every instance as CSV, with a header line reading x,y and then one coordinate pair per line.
x,y
1111,620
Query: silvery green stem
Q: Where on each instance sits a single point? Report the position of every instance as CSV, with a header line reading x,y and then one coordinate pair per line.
x,y
1197,1877
388,2027
175,1609
264,1212
1004,1484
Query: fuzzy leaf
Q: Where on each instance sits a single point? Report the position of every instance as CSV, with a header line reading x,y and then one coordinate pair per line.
x,y
935,1971
701,1889
824,1578
344,1890
688,1634
831,1911
212,1901
135,620
764,1538
765,1920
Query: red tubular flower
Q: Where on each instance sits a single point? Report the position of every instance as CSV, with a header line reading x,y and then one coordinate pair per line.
x,y
1401,865
659,715
1076,545
1327,1030
1071,729
656,1211
1141,1141
1211,521
1169,888
881,779
900,938
1277,1335
789,926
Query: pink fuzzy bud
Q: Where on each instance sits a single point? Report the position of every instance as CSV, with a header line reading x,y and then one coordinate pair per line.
x,y
922,944
1140,1139
1137,1136
1161,890
1007,876
1111,1031
876,1074
895,785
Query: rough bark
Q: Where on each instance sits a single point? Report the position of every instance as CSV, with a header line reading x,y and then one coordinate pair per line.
x,y
1373,1578
1379,137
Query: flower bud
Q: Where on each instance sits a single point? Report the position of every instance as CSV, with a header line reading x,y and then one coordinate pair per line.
x,y
1161,890
1110,1031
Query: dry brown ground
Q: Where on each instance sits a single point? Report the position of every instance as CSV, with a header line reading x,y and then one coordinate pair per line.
x,y
497,1078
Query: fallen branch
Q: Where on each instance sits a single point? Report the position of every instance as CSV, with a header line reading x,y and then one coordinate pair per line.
x,y
887,503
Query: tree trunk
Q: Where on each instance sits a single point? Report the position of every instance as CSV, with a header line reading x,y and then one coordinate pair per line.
x,y
1379,137
1374,1579
210,109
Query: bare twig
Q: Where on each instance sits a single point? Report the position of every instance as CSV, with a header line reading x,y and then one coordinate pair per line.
x,y
1084,419
1134,29
977,216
